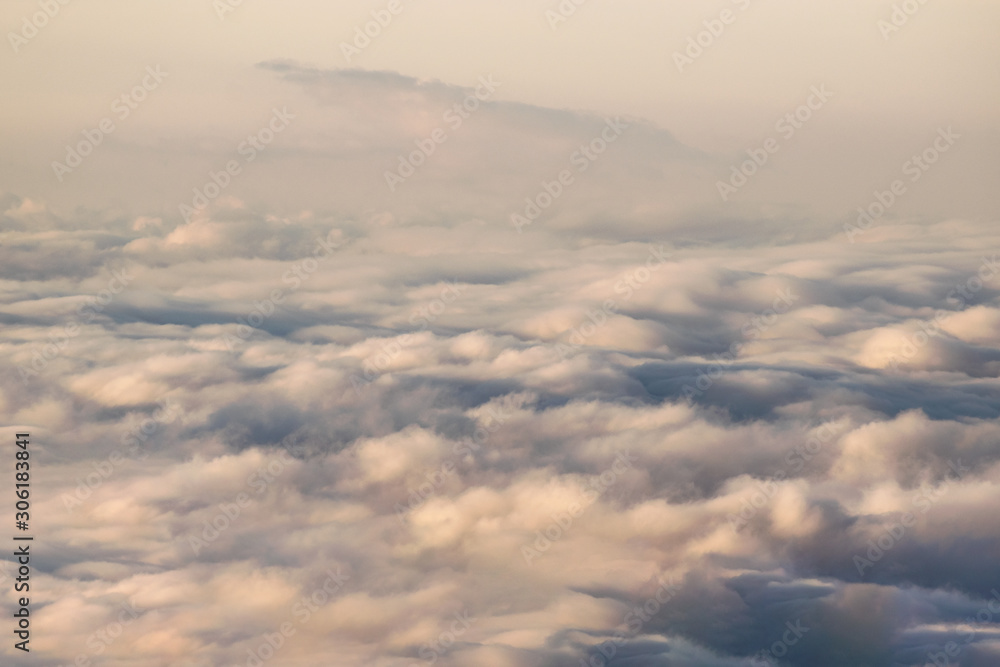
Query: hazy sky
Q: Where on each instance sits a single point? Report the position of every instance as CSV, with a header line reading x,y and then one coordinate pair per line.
x,y
608,58
504,340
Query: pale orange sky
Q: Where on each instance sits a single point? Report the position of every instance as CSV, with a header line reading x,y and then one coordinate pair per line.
x,y
890,95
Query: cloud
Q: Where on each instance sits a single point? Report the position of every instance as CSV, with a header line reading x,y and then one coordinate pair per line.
x,y
433,394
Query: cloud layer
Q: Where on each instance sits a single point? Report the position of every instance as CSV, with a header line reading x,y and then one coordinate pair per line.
x,y
329,418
